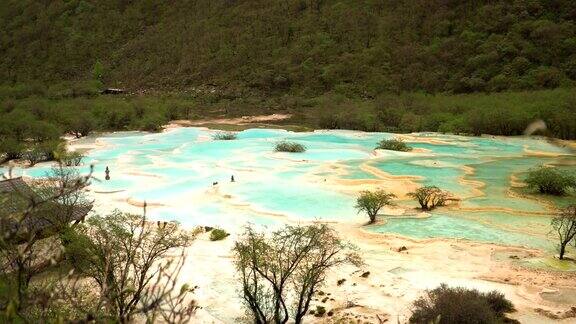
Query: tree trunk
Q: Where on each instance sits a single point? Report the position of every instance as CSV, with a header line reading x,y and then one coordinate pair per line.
x,y
372,218
562,250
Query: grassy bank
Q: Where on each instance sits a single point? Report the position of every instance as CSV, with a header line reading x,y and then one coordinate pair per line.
x,y
505,113
33,123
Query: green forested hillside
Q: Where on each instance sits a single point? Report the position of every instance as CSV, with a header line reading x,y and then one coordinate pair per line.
x,y
472,67
358,48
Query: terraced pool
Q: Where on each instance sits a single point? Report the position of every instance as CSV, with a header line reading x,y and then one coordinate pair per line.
x,y
174,172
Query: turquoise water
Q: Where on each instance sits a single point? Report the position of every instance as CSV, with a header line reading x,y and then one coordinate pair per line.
x,y
353,171
297,200
441,172
450,226
535,226
496,177
175,170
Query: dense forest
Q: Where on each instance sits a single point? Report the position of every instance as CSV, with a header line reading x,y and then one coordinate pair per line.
x,y
360,47
472,67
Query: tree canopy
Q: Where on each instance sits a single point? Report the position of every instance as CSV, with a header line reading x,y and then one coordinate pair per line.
x,y
444,305
362,47
429,197
372,201
548,180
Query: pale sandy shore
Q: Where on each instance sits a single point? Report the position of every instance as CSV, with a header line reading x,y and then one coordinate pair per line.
x,y
244,120
395,279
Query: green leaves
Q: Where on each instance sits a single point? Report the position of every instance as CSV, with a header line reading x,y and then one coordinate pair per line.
x,y
218,234
372,201
362,48
394,144
290,147
429,197
98,71
552,181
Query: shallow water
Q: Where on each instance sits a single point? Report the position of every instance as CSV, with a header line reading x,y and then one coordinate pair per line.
x,y
499,228
176,170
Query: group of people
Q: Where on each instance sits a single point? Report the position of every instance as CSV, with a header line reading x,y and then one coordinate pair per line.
x,y
107,176
231,180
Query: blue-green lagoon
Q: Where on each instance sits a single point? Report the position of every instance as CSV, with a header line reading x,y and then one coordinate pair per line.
x,y
185,175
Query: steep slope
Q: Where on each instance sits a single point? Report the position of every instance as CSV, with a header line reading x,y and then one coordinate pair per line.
x,y
360,48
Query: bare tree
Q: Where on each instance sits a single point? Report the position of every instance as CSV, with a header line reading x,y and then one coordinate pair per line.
x,y
430,197
257,292
372,201
27,217
133,264
58,183
280,273
565,226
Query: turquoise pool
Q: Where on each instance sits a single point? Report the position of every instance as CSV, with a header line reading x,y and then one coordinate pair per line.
x,y
175,171
499,228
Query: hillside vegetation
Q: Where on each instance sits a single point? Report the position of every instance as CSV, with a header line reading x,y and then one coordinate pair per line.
x,y
471,67
359,48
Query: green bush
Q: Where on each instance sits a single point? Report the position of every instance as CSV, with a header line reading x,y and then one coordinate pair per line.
x,y
224,136
372,201
10,149
291,147
152,123
71,89
394,145
218,234
446,305
73,158
78,122
41,151
320,311
35,154
429,197
550,181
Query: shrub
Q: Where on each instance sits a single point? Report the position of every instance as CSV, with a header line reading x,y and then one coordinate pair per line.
x,y
71,158
35,154
40,152
152,123
550,181
115,252
372,201
429,197
10,149
460,305
498,302
218,234
291,147
79,123
393,145
50,148
320,311
224,136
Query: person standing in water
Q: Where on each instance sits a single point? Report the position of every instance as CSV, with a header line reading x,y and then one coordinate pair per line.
x,y
107,171
232,178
